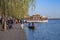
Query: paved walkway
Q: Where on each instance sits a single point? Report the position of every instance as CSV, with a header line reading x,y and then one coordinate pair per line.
x,y
16,33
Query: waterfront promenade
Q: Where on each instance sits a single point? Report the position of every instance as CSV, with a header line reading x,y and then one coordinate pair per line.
x,y
16,33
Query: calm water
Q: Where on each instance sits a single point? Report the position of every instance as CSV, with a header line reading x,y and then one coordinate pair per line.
x,y
44,31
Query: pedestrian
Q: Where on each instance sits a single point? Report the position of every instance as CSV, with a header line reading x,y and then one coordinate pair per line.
x,y
10,23
22,23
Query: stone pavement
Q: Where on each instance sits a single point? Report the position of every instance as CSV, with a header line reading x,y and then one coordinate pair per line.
x,y
16,33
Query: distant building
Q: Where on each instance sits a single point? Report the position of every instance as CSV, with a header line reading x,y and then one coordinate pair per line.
x,y
36,17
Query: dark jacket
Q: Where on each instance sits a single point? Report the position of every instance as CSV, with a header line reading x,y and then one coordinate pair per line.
x,y
10,22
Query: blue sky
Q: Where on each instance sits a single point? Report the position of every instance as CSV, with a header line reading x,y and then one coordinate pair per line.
x,y
49,8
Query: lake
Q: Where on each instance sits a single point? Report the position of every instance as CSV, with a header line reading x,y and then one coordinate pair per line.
x,y
44,31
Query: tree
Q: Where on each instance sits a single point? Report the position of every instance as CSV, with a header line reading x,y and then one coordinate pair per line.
x,y
15,8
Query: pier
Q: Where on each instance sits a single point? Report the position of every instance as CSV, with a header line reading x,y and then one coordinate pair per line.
x,y
16,33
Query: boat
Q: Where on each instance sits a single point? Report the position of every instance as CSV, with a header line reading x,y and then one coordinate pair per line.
x,y
37,21
31,25
36,18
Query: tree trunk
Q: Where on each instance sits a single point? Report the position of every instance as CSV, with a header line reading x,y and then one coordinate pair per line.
x,y
4,16
4,21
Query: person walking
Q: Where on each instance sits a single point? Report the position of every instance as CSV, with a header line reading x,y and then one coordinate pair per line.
x,y
9,23
22,23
